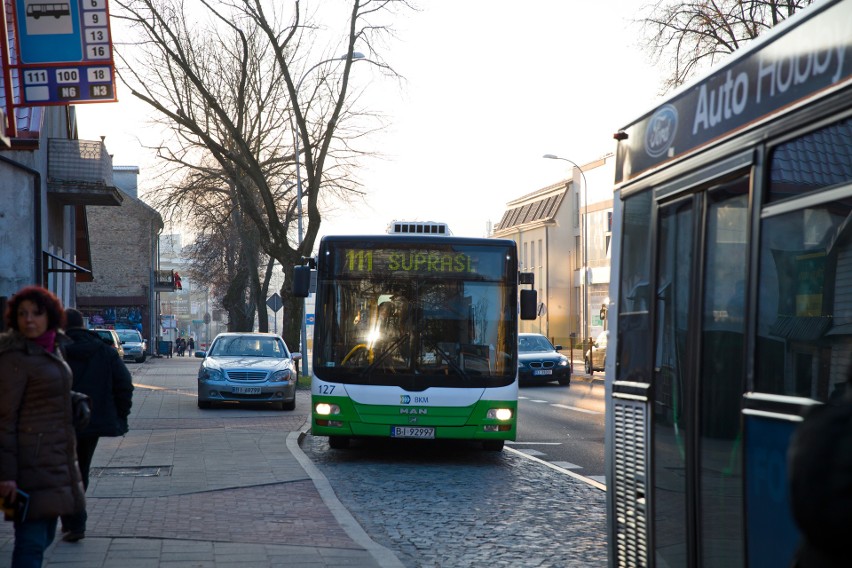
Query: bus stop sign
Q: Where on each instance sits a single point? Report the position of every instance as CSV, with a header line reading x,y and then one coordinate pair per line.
x,y
65,52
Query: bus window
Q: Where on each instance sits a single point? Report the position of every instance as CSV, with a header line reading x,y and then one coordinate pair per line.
x,y
804,323
818,160
634,345
804,339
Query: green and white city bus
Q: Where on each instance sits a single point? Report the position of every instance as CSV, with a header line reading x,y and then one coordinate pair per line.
x,y
415,336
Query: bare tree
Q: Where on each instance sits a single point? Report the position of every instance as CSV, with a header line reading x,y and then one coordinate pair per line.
x,y
245,130
691,35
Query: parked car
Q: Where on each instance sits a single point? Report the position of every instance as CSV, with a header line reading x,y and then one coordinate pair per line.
x,y
595,357
540,361
248,367
134,345
110,337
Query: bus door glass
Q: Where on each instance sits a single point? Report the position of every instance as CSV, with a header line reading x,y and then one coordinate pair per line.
x,y
671,429
699,376
721,377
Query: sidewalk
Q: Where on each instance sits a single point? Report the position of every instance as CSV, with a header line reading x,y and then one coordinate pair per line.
x,y
227,487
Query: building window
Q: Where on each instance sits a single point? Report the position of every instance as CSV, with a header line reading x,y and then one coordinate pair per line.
x,y
577,255
540,255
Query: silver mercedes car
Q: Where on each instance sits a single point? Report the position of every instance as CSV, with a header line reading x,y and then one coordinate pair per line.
x,y
248,367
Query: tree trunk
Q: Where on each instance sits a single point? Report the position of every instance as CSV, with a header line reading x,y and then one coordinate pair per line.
x,y
235,302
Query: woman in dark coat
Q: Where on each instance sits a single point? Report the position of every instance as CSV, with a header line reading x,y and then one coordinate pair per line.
x,y
37,438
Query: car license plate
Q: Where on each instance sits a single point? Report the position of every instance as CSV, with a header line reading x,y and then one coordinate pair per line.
x,y
412,432
245,390
543,372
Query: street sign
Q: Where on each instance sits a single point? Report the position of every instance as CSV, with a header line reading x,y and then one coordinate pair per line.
x,y
310,319
64,52
274,302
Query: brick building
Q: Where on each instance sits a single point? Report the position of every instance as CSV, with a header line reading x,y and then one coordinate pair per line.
x,y
124,250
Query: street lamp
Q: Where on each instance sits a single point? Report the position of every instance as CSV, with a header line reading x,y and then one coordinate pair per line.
x,y
586,324
303,326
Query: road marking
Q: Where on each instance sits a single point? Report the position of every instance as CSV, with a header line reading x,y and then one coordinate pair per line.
x,y
584,410
531,452
587,480
567,465
178,390
516,443
534,400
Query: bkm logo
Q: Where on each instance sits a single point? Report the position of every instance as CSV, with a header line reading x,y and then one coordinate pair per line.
x,y
404,399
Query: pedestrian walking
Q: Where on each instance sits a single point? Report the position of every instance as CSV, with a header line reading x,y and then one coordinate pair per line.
x,y
820,466
37,442
100,373
191,346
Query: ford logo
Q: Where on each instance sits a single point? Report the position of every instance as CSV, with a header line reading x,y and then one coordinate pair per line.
x,y
661,131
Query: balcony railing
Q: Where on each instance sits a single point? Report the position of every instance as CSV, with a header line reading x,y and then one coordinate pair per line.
x,y
79,172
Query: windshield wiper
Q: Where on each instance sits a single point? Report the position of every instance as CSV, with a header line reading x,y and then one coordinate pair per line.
x,y
382,355
446,356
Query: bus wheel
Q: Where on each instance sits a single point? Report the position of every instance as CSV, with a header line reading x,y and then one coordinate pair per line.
x,y
492,445
338,442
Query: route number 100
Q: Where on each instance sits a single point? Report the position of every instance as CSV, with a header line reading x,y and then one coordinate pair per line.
x,y
67,76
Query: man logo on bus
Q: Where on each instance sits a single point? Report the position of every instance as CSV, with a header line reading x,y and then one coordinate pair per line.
x,y
661,131
404,399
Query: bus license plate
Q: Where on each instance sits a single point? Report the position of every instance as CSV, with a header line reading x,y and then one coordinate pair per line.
x,y
412,432
543,372
245,390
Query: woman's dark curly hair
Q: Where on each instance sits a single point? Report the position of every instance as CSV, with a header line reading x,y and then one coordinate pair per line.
x,y
41,297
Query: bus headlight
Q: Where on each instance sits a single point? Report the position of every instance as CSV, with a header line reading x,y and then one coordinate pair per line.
x,y
499,413
326,409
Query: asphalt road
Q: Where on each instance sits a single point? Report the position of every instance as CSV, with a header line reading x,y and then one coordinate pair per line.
x,y
564,425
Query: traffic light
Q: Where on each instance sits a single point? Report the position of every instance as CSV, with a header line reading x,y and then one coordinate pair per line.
x,y
178,285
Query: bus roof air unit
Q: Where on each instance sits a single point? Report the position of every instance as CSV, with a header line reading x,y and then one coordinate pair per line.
x,y
418,228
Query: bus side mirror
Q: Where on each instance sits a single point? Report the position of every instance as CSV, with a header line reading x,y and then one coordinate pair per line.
x,y
529,304
301,281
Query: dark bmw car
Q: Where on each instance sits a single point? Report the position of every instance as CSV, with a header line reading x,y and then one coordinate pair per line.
x,y
539,361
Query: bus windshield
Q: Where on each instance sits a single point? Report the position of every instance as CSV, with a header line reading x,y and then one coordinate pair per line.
x,y
416,316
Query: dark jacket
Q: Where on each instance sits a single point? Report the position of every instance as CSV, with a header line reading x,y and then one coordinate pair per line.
x,y
100,373
820,472
37,441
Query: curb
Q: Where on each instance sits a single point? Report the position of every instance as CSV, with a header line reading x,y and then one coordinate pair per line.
x,y
383,556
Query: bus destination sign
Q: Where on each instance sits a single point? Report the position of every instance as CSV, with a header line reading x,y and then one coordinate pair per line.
x,y
407,261
65,52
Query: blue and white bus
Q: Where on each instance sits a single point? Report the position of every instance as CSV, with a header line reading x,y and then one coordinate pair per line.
x,y
732,291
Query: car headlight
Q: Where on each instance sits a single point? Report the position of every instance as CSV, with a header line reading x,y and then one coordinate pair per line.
x,y
563,362
207,374
521,364
280,376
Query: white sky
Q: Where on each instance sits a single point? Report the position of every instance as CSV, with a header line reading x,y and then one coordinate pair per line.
x,y
490,87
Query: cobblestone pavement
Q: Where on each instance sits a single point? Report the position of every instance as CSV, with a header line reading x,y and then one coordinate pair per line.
x,y
218,488
447,505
